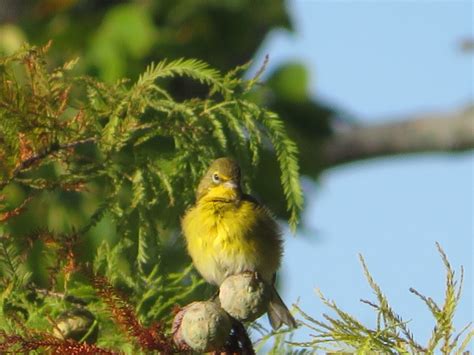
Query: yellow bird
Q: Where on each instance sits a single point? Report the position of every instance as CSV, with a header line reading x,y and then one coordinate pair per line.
x,y
228,232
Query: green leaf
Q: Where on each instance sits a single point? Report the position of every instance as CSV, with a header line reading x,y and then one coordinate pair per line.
x,y
287,155
192,68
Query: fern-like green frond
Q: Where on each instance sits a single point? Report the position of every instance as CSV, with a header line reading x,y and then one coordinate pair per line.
x,y
123,162
192,68
287,155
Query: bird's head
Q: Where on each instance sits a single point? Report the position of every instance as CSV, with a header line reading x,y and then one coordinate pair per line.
x,y
221,181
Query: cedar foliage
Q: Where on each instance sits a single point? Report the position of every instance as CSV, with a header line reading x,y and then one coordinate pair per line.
x,y
340,332
132,154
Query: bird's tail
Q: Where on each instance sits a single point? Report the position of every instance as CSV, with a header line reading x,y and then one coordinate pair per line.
x,y
278,313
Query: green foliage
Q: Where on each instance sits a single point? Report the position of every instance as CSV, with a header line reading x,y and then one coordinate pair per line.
x,y
342,332
131,154
119,39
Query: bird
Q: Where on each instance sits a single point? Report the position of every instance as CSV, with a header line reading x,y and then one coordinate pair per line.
x,y
228,232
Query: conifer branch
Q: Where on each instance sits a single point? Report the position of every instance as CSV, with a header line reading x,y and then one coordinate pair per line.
x,y
287,152
346,333
25,164
13,343
148,338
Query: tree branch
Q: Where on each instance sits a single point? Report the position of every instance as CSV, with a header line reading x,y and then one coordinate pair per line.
x,y
452,132
25,164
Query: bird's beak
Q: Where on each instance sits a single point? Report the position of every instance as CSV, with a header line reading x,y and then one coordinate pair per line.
x,y
231,184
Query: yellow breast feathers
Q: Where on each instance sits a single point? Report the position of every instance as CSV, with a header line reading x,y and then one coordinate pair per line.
x,y
226,238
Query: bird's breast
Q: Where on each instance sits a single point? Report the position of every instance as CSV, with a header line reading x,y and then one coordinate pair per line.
x,y
222,239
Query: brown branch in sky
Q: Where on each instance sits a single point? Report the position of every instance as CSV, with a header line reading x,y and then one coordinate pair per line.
x,y
451,132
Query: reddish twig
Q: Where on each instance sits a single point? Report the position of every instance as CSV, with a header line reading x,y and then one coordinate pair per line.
x,y
13,343
148,338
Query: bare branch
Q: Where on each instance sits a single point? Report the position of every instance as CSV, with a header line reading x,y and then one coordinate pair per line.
x,y
452,132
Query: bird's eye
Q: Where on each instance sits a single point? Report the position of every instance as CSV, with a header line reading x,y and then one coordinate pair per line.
x,y
215,178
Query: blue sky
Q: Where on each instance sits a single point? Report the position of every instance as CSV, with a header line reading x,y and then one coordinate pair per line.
x,y
379,61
